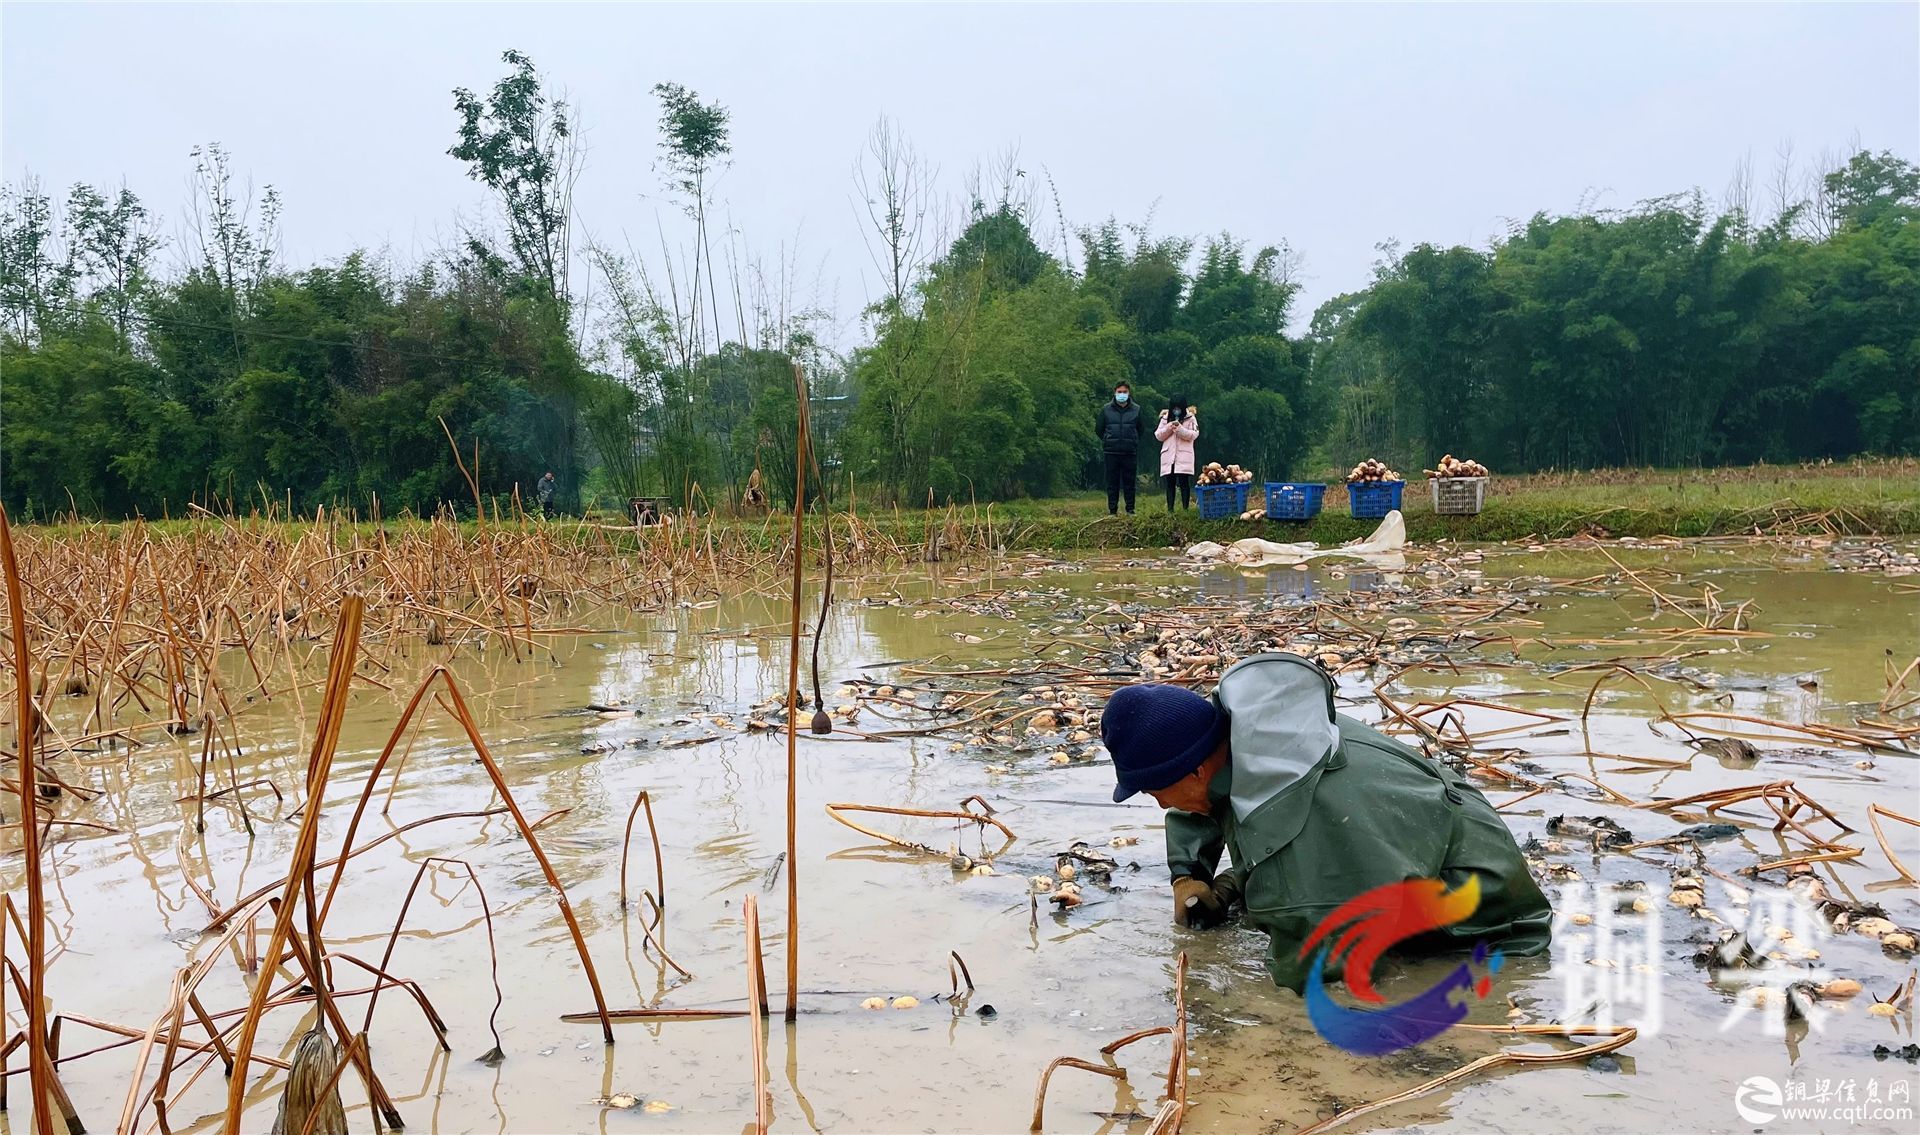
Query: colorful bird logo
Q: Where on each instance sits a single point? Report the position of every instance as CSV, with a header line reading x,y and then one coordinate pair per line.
x,y
1375,922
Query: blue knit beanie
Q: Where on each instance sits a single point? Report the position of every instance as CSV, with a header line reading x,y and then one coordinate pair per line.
x,y
1158,734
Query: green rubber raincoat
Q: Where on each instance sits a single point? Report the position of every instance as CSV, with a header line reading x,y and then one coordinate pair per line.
x,y
1316,808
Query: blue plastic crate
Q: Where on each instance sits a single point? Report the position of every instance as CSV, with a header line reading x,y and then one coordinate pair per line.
x,y
1371,500
1221,502
1287,501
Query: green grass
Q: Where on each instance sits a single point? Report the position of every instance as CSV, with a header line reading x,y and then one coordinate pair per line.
x,y
1866,498
1882,498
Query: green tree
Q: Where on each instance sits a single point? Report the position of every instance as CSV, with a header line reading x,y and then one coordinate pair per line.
x,y
37,274
115,242
520,142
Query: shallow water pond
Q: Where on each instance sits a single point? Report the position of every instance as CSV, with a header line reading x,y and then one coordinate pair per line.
x,y
876,920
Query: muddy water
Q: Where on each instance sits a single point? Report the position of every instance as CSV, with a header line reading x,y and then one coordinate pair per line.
x,y
878,921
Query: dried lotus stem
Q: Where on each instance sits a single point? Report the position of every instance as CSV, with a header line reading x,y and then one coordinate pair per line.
x,y
1837,855
1143,1034
645,928
802,458
1618,1037
835,810
659,864
1177,1065
1874,812
954,959
40,1073
1040,1092
756,1011
623,1015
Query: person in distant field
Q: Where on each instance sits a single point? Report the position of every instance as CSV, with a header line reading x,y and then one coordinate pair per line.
x,y
544,492
1177,431
1119,428
1315,809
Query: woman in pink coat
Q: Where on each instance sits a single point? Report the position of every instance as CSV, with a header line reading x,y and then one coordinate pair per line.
x,y
1177,431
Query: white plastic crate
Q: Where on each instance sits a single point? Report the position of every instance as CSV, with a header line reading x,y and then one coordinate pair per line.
x,y
1458,496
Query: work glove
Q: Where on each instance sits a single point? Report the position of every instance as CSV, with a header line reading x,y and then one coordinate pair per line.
x,y
1198,905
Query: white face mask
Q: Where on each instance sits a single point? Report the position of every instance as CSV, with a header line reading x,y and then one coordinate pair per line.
x,y
1120,396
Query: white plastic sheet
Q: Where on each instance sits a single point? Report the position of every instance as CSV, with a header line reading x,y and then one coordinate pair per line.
x,y
1383,547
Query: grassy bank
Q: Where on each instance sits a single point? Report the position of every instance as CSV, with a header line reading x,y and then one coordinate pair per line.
x,y
1876,498
1882,498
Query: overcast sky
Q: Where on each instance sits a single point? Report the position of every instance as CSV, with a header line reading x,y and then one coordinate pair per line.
x,y
1330,127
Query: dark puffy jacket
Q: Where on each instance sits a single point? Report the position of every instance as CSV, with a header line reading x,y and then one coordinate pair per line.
x,y
1119,428
1317,808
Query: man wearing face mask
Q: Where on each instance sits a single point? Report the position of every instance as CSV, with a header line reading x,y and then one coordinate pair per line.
x,y
1120,441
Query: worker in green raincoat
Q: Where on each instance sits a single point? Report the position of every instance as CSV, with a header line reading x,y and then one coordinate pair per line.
x,y
1314,808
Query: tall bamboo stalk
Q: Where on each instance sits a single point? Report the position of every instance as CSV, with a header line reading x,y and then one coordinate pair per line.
x,y
803,445
39,1066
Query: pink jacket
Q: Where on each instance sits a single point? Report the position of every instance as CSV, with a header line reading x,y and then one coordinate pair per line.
x,y
1176,443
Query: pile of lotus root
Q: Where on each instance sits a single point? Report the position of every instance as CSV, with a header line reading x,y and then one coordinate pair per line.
x,y
1451,466
1371,470
1217,474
